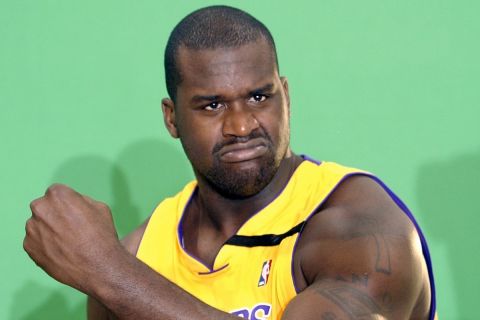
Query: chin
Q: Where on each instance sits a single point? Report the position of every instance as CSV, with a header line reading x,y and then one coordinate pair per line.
x,y
242,180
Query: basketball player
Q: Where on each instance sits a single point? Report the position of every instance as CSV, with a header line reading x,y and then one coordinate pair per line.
x,y
262,233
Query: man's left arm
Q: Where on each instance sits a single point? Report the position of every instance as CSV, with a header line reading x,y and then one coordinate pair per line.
x,y
360,257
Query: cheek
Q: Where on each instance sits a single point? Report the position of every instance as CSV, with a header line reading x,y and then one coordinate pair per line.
x,y
282,132
198,138
276,122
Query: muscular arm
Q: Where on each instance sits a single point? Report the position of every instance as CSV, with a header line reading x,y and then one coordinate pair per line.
x,y
360,258
332,264
73,239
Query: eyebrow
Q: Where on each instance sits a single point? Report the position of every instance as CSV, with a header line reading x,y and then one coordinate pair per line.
x,y
266,88
200,98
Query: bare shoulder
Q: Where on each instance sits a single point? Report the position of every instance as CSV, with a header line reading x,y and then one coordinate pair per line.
x,y
362,243
132,241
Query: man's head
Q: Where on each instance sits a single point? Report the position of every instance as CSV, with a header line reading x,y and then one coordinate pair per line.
x,y
229,106
211,28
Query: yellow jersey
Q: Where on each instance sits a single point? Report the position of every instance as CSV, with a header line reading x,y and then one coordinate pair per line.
x,y
252,273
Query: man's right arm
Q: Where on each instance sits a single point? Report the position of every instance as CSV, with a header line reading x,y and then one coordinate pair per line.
x,y
72,238
131,242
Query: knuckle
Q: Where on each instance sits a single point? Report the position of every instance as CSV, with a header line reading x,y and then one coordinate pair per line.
x,y
37,209
34,205
88,200
104,210
56,189
26,245
103,207
29,226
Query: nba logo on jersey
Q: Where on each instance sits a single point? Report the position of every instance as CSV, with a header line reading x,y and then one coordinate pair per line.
x,y
265,273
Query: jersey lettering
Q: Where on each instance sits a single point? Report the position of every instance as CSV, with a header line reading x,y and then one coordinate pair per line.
x,y
260,311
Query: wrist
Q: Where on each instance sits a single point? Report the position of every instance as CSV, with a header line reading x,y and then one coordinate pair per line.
x,y
106,273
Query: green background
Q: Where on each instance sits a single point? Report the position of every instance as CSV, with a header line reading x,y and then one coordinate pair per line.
x,y
388,86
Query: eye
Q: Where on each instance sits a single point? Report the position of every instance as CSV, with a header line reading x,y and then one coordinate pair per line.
x,y
214,106
257,98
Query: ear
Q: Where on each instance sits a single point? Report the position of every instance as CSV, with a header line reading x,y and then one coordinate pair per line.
x,y
285,90
168,108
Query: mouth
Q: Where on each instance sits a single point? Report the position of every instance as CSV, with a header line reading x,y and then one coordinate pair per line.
x,y
243,151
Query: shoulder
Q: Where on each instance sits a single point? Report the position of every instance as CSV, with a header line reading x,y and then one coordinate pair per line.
x,y
361,236
132,240
166,212
359,208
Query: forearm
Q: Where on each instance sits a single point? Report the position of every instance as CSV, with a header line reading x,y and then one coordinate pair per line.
x,y
72,237
131,290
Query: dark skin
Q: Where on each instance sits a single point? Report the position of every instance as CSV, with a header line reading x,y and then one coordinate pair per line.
x,y
236,73
358,258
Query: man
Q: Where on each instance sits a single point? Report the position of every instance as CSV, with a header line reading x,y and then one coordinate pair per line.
x,y
262,233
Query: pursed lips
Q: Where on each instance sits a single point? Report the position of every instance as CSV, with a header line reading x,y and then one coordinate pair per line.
x,y
243,151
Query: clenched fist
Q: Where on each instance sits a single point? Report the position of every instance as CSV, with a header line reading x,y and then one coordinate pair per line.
x,y
71,236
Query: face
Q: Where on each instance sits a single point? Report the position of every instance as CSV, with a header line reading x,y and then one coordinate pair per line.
x,y
232,116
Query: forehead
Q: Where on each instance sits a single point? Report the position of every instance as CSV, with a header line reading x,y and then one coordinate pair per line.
x,y
225,71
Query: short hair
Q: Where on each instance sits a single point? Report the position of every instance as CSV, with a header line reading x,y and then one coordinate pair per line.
x,y
211,28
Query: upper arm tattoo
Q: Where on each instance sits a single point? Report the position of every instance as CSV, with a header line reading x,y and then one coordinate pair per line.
x,y
359,291
354,303
350,294
368,227
329,316
382,263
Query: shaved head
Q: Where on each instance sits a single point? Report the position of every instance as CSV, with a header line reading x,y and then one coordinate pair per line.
x,y
211,28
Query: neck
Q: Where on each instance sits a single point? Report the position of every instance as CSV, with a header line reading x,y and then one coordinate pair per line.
x,y
227,215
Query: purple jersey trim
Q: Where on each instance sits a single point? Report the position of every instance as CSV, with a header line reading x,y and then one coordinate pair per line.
x,y
305,157
425,250
403,207
179,227
181,242
213,271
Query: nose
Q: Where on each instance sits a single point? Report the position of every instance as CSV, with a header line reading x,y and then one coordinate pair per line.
x,y
239,121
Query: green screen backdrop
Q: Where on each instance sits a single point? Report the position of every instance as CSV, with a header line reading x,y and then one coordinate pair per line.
x,y
388,86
